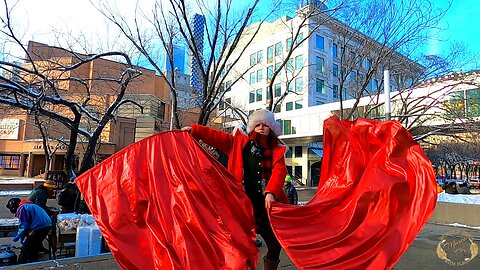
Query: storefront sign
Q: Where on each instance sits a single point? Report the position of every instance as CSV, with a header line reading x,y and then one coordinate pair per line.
x,y
9,129
61,147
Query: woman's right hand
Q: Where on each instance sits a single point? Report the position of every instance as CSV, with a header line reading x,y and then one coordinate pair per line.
x,y
187,128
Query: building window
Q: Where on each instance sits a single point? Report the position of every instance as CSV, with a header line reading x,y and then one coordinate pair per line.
x,y
298,85
269,72
368,64
319,102
320,63
289,106
320,42
270,54
252,77
335,70
359,61
259,56
161,111
352,57
277,69
278,90
228,84
277,109
320,86
288,153
259,94
251,98
298,62
259,75
299,40
335,91
253,59
290,65
278,49
298,104
290,86
353,75
10,162
225,104
287,127
375,85
289,44
334,50
298,151
298,172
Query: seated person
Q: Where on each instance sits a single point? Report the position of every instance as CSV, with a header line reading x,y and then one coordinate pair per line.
x,y
463,189
451,188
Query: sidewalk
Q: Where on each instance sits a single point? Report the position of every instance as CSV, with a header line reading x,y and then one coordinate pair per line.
x,y
422,254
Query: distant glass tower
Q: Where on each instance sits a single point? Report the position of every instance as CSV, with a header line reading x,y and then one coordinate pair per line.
x,y
178,60
198,23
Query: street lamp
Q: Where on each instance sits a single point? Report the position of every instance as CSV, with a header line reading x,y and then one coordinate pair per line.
x,y
386,85
171,97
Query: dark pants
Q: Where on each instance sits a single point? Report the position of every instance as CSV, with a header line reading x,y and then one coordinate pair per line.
x,y
265,230
32,245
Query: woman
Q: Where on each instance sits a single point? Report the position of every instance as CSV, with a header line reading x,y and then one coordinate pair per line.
x,y
258,161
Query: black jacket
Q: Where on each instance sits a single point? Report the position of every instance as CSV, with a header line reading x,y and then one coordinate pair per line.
x,y
291,193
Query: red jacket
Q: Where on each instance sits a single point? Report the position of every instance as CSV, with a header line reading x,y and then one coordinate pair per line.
x,y
232,145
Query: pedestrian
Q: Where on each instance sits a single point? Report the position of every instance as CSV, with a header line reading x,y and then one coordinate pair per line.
x,y
463,189
67,197
40,194
34,225
290,190
258,160
451,188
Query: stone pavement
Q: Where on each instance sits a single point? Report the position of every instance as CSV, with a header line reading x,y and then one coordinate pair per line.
x,y
423,254
457,246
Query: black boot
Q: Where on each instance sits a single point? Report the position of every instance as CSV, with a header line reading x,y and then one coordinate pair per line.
x,y
270,265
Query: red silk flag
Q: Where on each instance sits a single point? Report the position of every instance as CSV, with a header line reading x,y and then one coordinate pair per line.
x,y
165,203
376,191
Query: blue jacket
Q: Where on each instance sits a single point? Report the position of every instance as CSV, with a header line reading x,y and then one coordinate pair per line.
x,y
31,217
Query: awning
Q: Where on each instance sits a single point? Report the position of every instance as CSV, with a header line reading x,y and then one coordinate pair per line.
x,y
317,148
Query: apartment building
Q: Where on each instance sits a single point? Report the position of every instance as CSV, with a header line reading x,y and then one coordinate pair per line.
x,y
324,69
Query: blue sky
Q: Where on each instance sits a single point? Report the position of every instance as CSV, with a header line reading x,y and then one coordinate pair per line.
x,y
461,22
38,19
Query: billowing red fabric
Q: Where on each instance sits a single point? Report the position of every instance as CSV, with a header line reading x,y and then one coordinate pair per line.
x,y
377,189
165,203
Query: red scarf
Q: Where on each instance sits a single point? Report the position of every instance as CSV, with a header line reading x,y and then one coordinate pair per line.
x,y
267,143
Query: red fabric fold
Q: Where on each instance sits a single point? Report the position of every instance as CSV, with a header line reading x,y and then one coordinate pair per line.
x,y
165,203
376,191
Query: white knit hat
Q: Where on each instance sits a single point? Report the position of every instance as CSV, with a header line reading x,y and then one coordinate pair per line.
x,y
266,117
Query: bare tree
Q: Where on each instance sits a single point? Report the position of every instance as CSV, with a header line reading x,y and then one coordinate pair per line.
x,y
377,35
452,156
310,18
227,35
38,86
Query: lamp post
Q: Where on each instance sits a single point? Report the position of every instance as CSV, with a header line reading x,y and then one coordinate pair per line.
x,y
171,96
386,85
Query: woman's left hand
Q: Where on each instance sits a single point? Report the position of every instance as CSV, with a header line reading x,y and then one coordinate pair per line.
x,y
269,198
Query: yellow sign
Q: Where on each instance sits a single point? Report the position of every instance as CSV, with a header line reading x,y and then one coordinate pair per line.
x,y
457,248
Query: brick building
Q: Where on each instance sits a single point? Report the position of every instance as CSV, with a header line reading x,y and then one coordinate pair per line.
x,y
21,149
